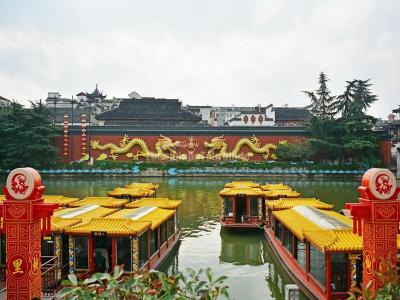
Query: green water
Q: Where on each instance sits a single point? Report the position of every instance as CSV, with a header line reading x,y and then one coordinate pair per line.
x,y
244,257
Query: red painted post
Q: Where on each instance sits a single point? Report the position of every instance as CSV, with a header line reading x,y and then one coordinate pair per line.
x,y
376,218
24,213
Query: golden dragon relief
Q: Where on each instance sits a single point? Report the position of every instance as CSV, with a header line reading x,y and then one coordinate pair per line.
x,y
219,149
165,149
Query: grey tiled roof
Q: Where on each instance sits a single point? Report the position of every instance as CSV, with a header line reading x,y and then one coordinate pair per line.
x,y
150,109
291,113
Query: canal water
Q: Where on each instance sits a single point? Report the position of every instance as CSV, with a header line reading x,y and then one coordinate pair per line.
x,y
244,257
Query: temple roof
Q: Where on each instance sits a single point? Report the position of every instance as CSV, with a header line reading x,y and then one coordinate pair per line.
x,y
291,114
96,94
149,109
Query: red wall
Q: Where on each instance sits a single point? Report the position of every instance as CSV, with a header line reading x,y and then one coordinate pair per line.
x,y
75,141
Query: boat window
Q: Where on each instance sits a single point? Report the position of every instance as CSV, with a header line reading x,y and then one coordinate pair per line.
x,y
154,241
124,253
163,232
278,229
228,207
288,238
317,264
81,252
339,272
171,226
253,207
301,253
143,249
47,246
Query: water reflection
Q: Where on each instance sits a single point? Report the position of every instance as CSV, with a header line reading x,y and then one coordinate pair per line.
x,y
241,248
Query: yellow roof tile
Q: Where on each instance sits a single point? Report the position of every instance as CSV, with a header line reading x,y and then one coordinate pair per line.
x,y
275,186
109,202
131,192
241,191
285,203
159,202
58,225
113,226
242,184
145,185
156,216
59,199
281,193
2,197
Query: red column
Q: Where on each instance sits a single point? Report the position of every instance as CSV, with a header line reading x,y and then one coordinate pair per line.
x,y
328,274
66,143
377,218
24,213
91,253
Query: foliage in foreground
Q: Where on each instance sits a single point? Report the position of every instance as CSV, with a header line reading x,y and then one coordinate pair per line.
x,y
388,274
147,286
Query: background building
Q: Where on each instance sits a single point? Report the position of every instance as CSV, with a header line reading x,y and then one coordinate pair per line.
x,y
4,102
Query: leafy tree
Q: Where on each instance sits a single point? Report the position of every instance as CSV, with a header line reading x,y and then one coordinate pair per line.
x,y
27,137
299,151
321,99
356,99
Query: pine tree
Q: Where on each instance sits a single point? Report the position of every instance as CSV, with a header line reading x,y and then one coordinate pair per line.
x,y
321,100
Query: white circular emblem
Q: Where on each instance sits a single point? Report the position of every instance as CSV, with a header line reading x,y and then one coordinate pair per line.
x,y
21,182
382,183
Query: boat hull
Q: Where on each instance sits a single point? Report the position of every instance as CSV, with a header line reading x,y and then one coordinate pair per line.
x,y
311,290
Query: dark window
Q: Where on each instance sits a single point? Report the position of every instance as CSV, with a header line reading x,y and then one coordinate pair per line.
x,y
301,253
81,252
288,238
317,264
278,229
163,232
154,241
339,272
253,207
124,253
228,207
47,246
3,248
143,249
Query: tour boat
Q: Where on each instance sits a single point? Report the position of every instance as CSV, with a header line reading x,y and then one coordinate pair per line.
x,y
139,238
316,246
242,205
56,243
131,193
143,185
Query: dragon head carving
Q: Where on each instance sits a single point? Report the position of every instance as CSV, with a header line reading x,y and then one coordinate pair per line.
x,y
95,144
166,144
216,143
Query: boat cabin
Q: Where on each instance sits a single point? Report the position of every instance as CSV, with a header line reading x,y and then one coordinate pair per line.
x,y
56,243
318,249
138,238
241,207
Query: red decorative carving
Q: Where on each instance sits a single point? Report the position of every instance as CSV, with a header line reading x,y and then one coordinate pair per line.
x,y
377,215
24,213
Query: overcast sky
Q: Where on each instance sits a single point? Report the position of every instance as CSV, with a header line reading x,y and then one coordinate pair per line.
x,y
202,52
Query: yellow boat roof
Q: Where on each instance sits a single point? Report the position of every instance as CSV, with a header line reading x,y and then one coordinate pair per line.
x,y
2,197
109,202
156,216
159,202
247,191
111,226
285,203
327,230
59,199
67,217
133,192
145,185
242,184
275,186
281,193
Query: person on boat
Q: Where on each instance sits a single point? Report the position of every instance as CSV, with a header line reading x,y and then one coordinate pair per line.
x,y
99,261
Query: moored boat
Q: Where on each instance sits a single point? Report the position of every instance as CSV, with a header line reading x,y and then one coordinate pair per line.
x,y
317,248
241,205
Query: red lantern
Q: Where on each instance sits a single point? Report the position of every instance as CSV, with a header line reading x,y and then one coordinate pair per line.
x,y
66,148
